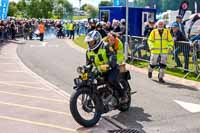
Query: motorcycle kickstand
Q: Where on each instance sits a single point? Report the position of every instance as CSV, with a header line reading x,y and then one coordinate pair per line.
x,y
133,92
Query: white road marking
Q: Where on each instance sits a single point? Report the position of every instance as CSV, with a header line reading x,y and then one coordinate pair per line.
x,y
7,63
37,123
191,107
8,58
34,97
24,86
34,108
13,71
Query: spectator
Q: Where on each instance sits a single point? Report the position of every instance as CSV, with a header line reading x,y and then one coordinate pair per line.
x,y
180,24
92,25
100,30
31,29
122,30
13,30
148,28
160,43
26,30
66,29
1,31
115,26
180,47
194,41
59,30
77,28
41,30
6,30
108,27
71,30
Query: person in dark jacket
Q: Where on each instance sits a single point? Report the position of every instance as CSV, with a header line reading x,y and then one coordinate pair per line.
x,y
116,26
100,30
196,42
13,30
180,24
180,47
2,27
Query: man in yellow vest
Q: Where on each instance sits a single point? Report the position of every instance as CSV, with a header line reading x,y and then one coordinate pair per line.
x,y
71,30
160,43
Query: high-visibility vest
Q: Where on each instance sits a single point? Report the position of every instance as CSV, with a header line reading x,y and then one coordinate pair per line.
x,y
41,28
71,26
158,44
100,58
65,26
119,49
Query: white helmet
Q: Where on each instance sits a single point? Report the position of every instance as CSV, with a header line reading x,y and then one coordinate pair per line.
x,y
93,36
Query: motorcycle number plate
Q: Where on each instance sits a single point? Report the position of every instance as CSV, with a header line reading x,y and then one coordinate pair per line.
x,y
85,76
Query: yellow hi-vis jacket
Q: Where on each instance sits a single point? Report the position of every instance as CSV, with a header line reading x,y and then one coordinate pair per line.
x,y
158,44
71,27
119,49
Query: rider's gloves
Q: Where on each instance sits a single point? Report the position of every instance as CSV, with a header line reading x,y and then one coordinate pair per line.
x,y
104,67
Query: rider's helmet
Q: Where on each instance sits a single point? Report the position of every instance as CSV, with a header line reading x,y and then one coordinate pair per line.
x,y
93,39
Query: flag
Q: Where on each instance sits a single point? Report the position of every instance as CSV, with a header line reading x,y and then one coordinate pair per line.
x,y
4,9
183,8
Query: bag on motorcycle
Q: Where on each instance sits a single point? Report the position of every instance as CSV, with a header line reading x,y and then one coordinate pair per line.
x,y
122,68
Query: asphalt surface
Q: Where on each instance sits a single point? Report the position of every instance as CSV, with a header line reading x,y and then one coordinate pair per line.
x,y
154,108
30,104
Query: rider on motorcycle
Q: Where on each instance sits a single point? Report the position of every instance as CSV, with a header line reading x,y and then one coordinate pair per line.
x,y
104,58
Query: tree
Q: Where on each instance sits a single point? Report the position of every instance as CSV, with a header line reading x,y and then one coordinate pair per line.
x,y
90,9
12,9
105,3
83,7
63,8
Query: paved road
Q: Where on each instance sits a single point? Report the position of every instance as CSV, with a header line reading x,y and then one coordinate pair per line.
x,y
154,108
29,104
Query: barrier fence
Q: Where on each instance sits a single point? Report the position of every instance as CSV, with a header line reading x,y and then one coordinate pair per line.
x,y
185,55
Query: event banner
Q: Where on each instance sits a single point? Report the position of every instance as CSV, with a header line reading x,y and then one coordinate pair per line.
x,y
4,9
119,2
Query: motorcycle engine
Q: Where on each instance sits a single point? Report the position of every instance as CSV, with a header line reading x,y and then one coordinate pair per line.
x,y
109,100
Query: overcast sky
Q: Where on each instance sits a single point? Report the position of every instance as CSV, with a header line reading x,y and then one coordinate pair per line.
x,y
76,2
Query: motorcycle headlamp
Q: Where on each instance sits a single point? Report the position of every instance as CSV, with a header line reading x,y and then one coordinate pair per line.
x,y
80,70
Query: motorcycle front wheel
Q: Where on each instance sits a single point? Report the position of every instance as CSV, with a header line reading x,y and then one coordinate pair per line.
x,y
85,107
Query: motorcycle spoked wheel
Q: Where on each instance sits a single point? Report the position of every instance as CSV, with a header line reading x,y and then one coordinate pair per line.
x,y
125,107
82,100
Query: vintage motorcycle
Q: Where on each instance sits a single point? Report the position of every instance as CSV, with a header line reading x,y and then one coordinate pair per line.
x,y
94,96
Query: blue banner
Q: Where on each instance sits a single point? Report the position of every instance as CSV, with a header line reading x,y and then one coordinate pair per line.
x,y
119,3
116,3
4,9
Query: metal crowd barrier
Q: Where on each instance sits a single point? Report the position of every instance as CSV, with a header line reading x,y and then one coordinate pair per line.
x,y
185,56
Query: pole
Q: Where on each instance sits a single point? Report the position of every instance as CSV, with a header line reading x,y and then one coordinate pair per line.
x,y
126,41
195,6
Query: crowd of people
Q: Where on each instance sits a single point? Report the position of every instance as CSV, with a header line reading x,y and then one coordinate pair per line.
x,y
158,40
31,28
182,42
